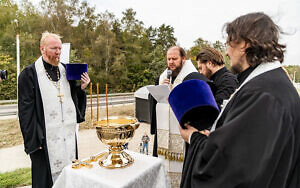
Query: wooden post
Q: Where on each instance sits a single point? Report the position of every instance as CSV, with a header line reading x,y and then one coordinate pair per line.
x,y
91,99
97,102
106,104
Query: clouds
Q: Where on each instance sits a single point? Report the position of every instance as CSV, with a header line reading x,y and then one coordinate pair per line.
x,y
192,19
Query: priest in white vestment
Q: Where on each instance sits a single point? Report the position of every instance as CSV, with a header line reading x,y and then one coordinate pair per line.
x,y
168,143
49,108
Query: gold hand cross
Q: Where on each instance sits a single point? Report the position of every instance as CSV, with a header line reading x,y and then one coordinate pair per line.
x,y
78,164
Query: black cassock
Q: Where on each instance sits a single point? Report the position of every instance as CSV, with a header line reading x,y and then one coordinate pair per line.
x,y
224,83
257,142
32,123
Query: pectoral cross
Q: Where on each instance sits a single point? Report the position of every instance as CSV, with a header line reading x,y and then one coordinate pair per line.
x,y
60,95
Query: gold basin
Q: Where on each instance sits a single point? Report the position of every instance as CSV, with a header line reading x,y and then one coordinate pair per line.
x,y
115,133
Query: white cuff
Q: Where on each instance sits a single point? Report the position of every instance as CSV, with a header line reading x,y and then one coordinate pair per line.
x,y
189,141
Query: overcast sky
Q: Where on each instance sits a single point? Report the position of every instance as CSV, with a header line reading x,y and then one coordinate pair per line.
x,y
192,19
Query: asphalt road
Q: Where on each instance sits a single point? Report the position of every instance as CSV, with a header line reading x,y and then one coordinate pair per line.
x,y
10,110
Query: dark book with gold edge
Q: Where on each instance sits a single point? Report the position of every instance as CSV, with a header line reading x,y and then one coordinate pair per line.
x,y
75,70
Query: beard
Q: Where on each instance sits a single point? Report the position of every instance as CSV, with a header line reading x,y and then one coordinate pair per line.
x,y
177,70
208,73
52,59
237,68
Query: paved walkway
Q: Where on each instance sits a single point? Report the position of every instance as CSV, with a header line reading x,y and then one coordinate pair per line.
x,y
88,144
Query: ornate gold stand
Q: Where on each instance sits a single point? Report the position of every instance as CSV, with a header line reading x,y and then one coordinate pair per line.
x,y
117,158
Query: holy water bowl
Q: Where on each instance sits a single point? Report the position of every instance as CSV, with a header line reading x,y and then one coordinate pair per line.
x,y
115,133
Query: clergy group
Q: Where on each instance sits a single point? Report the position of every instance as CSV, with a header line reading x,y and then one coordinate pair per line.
x,y
220,128
254,141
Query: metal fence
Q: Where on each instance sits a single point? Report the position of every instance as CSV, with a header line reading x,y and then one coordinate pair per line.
x,y
10,107
2,102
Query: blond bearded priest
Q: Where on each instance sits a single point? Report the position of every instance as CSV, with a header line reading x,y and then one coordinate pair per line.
x,y
49,108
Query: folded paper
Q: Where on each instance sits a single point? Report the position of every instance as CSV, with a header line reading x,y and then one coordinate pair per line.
x,y
160,92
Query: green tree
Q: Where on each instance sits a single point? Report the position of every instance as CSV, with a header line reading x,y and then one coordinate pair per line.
x,y
201,43
84,34
219,46
8,12
158,63
8,88
165,37
59,15
294,72
122,52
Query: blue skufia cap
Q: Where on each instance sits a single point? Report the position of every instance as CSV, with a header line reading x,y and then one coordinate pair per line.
x,y
75,70
193,103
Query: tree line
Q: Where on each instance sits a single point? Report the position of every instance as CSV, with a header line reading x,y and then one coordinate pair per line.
x,y
121,52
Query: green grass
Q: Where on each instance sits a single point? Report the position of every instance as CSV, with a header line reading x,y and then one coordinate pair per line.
x,y
17,178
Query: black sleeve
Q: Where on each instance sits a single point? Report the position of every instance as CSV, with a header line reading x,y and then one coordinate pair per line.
x,y
245,148
29,123
79,99
152,104
228,84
